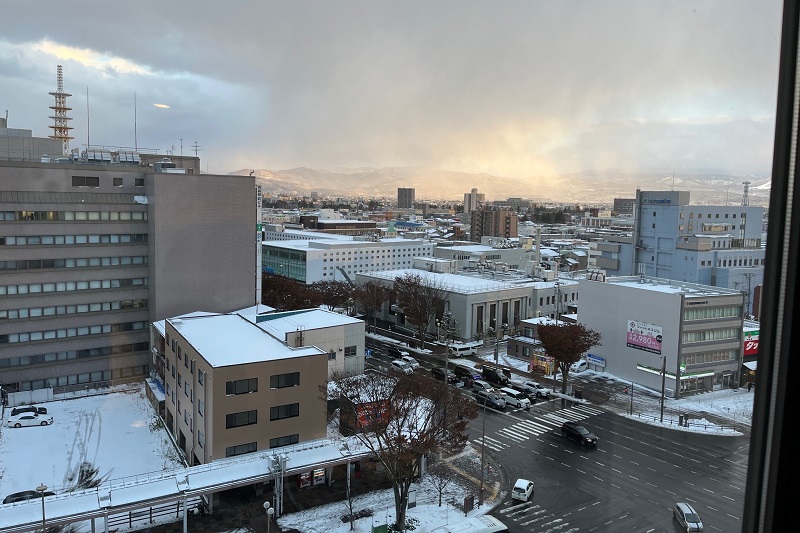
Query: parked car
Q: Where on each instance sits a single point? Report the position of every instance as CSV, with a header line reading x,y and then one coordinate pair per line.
x,y
41,410
687,517
479,385
396,352
23,409
578,433
29,419
25,495
401,366
578,366
541,390
490,399
410,360
438,373
523,490
462,350
514,398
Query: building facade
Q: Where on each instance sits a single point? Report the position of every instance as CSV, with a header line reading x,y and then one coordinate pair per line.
x,y
405,198
91,253
493,222
473,200
693,330
231,388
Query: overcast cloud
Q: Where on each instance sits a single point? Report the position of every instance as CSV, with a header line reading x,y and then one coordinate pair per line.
x,y
519,89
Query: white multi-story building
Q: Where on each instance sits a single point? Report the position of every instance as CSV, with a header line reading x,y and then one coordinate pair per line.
x,y
340,260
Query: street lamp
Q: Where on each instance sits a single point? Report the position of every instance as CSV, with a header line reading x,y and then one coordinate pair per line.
x,y
663,383
270,511
483,451
41,490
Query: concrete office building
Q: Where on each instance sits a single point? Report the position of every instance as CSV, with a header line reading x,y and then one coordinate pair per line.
x,y
92,253
672,239
325,260
231,388
405,198
696,328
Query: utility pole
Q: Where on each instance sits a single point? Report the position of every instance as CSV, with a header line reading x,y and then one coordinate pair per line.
x,y
663,383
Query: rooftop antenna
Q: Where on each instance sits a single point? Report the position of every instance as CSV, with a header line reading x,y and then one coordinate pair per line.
x,y
745,198
135,138
196,148
60,125
87,118
673,180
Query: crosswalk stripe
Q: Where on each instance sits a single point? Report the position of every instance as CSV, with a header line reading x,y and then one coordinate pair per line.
x,y
526,429
513,436
558,419
541,425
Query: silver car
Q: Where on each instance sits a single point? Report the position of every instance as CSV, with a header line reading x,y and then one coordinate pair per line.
x,y
687,517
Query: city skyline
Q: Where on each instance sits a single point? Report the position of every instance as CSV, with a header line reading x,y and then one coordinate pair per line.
x,y
529,90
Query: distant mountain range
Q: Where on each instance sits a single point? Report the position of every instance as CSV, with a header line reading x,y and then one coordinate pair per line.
x,y
588,187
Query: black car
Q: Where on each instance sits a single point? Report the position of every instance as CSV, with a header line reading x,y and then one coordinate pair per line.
x,y
26,409
578,433
25,495
438,373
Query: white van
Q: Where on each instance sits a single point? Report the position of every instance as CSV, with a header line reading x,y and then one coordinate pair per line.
x,y
462,350
578,366
515,398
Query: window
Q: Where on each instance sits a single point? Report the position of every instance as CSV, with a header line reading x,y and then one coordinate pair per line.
x,y
86,181
244,418
201,407
284,411
201,376
242,386
284,441
350,351
117,182
240,449
139,182
281,381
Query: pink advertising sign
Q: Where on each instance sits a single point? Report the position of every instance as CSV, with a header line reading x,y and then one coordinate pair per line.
x,y
644,336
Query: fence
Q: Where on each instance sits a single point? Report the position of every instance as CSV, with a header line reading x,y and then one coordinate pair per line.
x,y
29,397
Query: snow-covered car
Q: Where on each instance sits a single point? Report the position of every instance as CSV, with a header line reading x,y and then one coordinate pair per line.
x,y
29,419
410,360
578,366
401,366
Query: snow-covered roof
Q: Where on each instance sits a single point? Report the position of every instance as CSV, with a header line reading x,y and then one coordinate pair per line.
x,y
251,313
691,290
161,324
230,339
280,324
463,284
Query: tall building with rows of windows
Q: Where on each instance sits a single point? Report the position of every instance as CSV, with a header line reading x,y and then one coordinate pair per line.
x,y
92,252
405,198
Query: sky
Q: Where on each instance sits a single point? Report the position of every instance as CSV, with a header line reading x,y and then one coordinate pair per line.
x,y
520,89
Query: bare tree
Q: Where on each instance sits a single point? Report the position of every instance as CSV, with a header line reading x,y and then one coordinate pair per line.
x,y
332,293
439,475
401,419
420,299
286,294
565,343
370,296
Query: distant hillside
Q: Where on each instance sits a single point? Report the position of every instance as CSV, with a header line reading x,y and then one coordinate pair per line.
x,y
589,187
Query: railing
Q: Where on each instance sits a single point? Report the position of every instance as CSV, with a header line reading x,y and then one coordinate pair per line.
x,y
97,387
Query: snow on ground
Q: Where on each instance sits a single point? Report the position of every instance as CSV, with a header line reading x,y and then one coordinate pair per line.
x,y
426,516
115,432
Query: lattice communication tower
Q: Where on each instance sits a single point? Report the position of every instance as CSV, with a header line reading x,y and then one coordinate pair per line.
x,y
61,125
745,196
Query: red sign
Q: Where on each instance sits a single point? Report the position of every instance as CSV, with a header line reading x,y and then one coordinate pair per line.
x,y
751,342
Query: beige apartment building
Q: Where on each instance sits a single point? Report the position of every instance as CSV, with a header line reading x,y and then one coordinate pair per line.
x,y
232,388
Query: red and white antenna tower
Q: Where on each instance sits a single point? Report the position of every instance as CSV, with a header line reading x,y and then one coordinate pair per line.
x,y
61,125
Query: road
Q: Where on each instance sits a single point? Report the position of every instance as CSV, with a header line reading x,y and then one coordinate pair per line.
x,y
630,482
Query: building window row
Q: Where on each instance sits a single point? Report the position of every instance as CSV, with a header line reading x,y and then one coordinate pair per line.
x,y
58,310
244,418
68,355
716,356
63,216
240,449
241,386
13,338
280,412
71,286
280,381
710,335
284,441
75,380
46,240
82,262
704,313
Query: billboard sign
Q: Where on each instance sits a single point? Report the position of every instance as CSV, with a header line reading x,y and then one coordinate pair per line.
x,y
644,336
750,341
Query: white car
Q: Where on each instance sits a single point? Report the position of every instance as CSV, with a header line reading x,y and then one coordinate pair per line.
x,y
523,490
398,365
411,361
29,419
578,366
541,391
